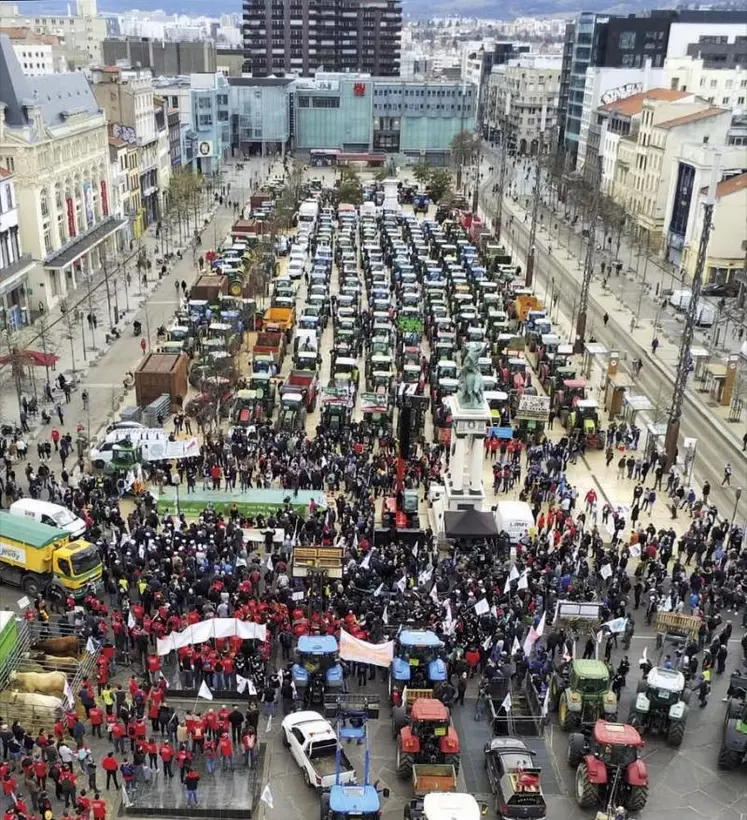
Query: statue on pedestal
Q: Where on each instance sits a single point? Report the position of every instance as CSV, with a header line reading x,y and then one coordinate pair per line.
x,y
471,385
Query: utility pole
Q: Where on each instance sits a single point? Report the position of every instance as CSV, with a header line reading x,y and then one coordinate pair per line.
x,y
683,363
583,302
531,249
502,178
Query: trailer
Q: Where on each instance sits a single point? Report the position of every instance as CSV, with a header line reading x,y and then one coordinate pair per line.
x,y
305,383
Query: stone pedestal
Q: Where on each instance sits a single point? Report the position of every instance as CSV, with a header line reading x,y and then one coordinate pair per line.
x,y
463,481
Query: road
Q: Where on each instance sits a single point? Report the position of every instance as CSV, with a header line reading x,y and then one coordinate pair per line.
x,y
560,274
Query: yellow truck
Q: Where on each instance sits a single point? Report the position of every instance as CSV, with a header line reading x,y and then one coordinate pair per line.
x,y
42,560
284,318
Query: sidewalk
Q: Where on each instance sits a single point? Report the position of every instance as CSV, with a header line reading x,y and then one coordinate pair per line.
x,y
101,369
641,335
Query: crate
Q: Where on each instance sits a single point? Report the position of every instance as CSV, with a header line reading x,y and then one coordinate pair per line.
x,y
160,407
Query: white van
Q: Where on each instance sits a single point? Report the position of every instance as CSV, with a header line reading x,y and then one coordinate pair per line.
x,y
705,315
54,515
680,299
514,518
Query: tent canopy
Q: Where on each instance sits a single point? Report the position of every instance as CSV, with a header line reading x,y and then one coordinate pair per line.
x,y
470,524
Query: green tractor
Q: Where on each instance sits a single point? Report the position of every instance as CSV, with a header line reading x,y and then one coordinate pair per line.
x,y
581,693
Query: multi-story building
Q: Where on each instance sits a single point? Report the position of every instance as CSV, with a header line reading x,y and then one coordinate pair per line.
x,y
522,101
664,126
14,264
726,86
208,137
628,42
126,97
695,166
175,137
81,35
125,184
35,58
360,114
302,38
260,115
164,59
53,136
604,86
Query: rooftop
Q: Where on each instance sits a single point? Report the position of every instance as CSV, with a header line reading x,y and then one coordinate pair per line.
x,y
630,106
731,185
705,114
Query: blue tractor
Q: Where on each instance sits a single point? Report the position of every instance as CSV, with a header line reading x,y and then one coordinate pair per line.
x,y
420,203
317,668
418,662
362,802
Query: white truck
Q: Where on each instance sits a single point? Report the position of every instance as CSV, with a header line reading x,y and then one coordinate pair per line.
x,y
308,212
313,743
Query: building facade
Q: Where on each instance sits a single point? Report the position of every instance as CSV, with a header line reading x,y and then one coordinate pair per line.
x,y
260,115
35,59
208,138
164,59
694,168
305,36
523,98
358,114
14,264
53,137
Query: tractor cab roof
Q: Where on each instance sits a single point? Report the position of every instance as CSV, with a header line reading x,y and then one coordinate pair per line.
x,y
447,806
317,644
354,799
616,734
668,679
591,669
419,637
429,710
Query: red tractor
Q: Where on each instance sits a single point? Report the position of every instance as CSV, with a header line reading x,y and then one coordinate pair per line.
x,y
426,737
609,770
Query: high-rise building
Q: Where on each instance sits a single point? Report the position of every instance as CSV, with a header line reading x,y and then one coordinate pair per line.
x,y
603,41
303,36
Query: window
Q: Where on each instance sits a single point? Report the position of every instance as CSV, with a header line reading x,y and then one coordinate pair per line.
x,y
325,102
724,101
627,40
303,102
740,100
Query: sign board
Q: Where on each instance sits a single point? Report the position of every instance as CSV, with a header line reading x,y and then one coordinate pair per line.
x,y
298,596
534,408
163,449
205,148
11,552
23,602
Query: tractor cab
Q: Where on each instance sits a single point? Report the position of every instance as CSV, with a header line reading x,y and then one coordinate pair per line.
x,y
498,402
317,667
247,408
585,416
306,360
292,414
418,659
346,369
263,387
446,369
336,408
411,374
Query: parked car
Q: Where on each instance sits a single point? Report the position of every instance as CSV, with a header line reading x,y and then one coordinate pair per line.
x,y
721,289
313,743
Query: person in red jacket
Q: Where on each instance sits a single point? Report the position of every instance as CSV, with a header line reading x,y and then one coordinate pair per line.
x,y
167,755
472,657
98,807
96,716
183,761
40,773
154,668
210,754
111,766
225,749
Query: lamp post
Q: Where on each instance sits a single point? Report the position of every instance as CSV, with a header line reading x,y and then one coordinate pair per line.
x,y
737,496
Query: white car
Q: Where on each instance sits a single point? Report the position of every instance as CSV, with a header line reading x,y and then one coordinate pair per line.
x,y
313,743
295,269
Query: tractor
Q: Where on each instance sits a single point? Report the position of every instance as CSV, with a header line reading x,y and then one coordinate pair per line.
x,y
422,727
609,771
733,749
581,693
317,668
661,704
417,662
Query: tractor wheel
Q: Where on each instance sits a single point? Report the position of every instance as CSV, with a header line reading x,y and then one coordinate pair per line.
x,y
734,709
405,763
554,696
676,733
587,793
576,749
728,758
454,760
569,721
637,798
686,695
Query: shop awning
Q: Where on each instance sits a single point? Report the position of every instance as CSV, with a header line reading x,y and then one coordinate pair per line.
x,y
83,244
470,524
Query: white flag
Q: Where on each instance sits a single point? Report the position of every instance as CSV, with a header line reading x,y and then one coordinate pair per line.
x,y
379,590
69,694
507,703
529,642
540,630
252,689
487,642
267,796
482,607
507,586
494,611
523,583
385,615
402,583
600,635
415,550
126,802
131,620
91,646
617,625
355,540
644,657
425,575
434,594
514,574
270,565
605,571
241,683
515,646
546,702
205,692
366,562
